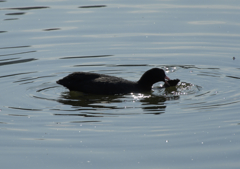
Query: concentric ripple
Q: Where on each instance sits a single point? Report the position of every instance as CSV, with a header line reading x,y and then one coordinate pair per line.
x,y
195,92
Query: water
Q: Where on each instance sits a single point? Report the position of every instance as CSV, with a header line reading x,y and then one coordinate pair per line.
x,y
192,125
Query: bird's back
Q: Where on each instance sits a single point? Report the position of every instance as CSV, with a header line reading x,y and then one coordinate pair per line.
x,y
97,83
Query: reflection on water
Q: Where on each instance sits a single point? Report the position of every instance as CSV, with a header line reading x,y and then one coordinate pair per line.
x,y
192,125
153,102
84,102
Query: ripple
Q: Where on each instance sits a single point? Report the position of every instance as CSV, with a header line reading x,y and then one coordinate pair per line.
x,y
16,74
183,88
93,6
52,29
45,91
10,19
16,13
18,53
27,8
12,47
79,57
193,93
17,61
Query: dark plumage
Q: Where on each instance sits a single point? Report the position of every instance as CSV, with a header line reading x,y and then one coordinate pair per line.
x,y
104,84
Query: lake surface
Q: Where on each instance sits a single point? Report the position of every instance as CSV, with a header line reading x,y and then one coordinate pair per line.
x,y
193,125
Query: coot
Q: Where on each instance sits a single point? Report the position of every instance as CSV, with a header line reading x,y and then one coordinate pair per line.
x,y
94,83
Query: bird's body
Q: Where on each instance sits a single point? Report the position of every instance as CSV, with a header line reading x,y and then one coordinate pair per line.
x,y
104,84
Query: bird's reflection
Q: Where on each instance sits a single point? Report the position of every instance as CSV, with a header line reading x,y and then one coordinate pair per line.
x,y
98,104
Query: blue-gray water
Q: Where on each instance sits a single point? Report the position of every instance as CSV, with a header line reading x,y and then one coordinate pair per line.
x,y
192,125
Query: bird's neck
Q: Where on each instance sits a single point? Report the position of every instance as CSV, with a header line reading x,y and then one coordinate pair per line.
x,y
144,86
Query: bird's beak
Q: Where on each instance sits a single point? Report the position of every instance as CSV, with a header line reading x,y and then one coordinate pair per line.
x,y
167,78
167,81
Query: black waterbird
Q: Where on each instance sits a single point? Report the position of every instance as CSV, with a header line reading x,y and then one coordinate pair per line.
x,y
94,83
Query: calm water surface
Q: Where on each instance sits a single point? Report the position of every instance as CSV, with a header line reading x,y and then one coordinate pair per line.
x,y
192,125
